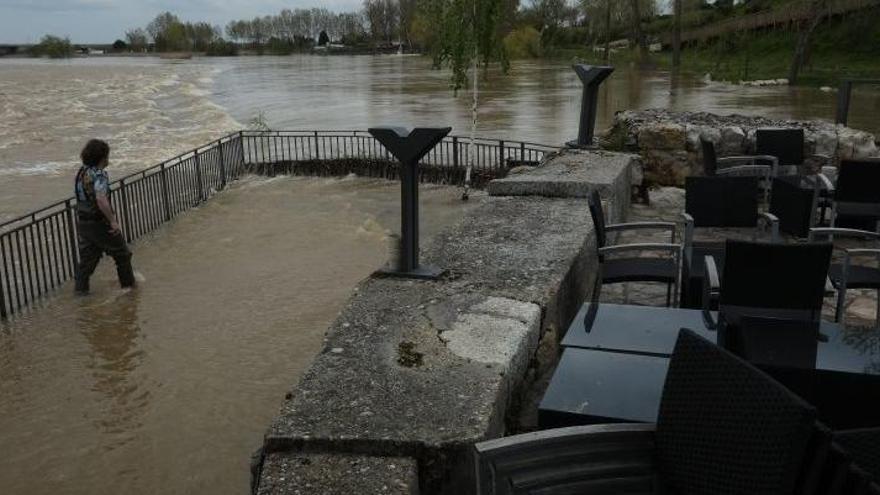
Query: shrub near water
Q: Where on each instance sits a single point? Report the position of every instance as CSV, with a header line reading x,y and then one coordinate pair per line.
x,y
524,42
53,47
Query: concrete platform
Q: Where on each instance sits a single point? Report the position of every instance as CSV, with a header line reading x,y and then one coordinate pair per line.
x,y
294,474
424,369
570,174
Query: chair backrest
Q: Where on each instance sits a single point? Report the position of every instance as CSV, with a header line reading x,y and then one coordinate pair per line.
x,y
858,180
785,144
774,342
774,275
864,446
858,190
598,214
726,427
710,158
795,206
722,201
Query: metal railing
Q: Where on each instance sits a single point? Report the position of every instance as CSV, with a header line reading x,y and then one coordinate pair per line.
x,y
271,152
39,250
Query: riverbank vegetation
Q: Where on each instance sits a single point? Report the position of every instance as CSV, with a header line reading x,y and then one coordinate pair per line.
x,y
817,50
53,47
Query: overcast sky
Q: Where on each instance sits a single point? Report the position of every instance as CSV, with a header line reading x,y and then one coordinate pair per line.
x,y
103,21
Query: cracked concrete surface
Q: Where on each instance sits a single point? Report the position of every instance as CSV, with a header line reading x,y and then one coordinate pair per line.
x,y
422,370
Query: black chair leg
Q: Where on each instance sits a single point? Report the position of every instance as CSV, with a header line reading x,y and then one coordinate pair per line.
x,y
668,295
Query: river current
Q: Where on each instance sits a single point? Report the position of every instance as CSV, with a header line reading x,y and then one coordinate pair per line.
x,y
168,389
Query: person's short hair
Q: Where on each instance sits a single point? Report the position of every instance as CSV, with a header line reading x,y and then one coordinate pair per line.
x,y
94,152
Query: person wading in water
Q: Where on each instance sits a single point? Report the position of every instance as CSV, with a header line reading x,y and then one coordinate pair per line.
x,y
98,230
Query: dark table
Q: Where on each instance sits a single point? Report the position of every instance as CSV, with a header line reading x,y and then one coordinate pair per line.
x,y
615,371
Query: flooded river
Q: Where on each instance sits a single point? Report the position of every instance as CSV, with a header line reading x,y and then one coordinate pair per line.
x,y
168,389
151,109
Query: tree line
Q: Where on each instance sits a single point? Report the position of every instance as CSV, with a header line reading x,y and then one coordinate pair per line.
x,y
415,24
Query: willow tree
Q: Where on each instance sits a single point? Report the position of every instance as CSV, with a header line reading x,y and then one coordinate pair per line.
x,y
468,37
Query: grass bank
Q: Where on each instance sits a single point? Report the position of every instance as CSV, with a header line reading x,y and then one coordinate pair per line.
x,y
842,48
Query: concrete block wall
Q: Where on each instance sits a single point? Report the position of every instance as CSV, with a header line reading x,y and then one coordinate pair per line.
x,y
413,373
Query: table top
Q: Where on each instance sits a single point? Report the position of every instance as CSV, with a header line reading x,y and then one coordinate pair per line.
x,y
646,330
606,386
652,331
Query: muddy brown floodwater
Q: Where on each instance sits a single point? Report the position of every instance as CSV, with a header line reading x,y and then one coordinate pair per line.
x,y
168,389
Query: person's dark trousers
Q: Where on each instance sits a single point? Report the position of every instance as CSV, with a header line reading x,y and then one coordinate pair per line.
x,y
95,239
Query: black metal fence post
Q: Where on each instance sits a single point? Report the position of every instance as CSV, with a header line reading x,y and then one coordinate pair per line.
x,y
241,148
222,165
71,234
844,96
501,160
198,165
165,196
3,314
317,151
409,147
455,159
126,213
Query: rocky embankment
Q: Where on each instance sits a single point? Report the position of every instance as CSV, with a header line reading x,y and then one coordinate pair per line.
x,y
669,142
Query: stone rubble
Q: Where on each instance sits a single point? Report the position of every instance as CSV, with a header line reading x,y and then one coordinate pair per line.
x,y
669,142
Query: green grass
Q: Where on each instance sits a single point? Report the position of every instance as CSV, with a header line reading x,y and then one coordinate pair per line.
x,y
841,49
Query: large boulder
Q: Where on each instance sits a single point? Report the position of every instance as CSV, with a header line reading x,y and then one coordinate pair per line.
x,y
853,143
662,136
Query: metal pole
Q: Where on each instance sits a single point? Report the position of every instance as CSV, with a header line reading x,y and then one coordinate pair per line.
x,y
74,256
455,157
591,77
843,99
126,216
409,218
3,314
199,175
165,198
409,147
222,166
317,152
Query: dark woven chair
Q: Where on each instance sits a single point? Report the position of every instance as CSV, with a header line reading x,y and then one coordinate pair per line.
x,y
786,145
798,202
724,427
767,280
764,167
612,269
717,202
863,446
857,195
848,274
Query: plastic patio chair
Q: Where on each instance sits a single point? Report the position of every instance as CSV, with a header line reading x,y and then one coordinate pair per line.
x,y
850,275
724,427
634,268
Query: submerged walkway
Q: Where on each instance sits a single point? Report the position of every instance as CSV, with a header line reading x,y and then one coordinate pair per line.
x,y
168,389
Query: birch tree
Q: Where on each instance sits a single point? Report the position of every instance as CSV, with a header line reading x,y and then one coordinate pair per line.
x,y
469,37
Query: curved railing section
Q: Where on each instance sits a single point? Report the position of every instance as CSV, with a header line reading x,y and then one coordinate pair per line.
x,y
38,251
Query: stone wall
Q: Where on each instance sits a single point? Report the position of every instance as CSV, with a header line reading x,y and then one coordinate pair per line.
x,y
669,145
413,373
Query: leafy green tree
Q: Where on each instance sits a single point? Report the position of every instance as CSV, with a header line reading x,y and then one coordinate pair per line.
x,y
469,37
53,47
137,39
